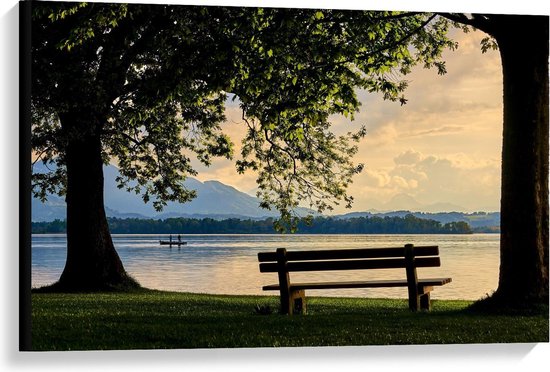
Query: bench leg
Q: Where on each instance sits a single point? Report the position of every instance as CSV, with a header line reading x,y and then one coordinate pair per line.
x,y
414,302
285,301
425,303
424,294
297,302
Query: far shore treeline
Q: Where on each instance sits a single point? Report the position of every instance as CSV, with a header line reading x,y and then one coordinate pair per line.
x,y
408,224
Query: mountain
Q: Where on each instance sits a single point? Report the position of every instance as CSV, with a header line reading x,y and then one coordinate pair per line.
x,y
475,220
402,202
214,199
53,209
406,202
441,207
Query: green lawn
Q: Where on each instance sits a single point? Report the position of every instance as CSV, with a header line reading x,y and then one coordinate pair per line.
x,y
154,319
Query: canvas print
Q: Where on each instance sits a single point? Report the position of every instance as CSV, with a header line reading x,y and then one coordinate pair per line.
x,y
263,177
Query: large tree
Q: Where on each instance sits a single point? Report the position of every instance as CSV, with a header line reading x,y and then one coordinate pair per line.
x,y
109,82
523,44
144,85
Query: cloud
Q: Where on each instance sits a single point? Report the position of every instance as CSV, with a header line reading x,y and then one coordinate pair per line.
x,y
408,157
374,178
403,183
459,179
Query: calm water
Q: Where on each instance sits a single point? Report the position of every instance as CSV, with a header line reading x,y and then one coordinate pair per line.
x,y
228,263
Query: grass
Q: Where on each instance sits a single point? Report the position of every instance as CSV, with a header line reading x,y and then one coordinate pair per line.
x,y
153,319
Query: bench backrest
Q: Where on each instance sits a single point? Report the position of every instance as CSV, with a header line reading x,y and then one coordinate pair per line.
x,y
408,256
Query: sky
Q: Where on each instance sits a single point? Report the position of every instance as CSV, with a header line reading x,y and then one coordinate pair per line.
x,y
439,152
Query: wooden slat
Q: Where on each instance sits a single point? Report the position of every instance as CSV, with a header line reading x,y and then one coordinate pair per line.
x,y
271,287
340,254
360,284
434,281
338,285
388,263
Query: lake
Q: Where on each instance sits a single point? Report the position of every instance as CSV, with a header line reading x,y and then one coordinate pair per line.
x,y
227,264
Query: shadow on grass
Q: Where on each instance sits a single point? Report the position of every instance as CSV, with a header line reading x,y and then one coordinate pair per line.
x,y
496,305
127,285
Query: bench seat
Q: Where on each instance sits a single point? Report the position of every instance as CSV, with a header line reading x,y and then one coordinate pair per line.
x,y
360,284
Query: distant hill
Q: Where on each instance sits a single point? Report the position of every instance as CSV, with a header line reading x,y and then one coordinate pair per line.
x,y
214,200
476,220
409,203
53,209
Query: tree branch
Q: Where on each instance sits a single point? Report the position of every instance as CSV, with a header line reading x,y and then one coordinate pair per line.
x,y
384,47
125,135
479,21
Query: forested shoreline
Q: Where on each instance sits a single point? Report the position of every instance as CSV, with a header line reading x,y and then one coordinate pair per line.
x,y
408,224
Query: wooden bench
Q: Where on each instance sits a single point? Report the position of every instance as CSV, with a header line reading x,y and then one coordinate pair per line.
x,y
408,257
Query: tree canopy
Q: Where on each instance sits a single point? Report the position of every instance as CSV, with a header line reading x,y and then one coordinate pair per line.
x,y
157,77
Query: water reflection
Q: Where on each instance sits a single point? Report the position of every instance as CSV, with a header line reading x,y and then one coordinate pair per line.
x,y
228,263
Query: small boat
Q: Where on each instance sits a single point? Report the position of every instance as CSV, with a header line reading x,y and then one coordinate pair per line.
x,y
171,242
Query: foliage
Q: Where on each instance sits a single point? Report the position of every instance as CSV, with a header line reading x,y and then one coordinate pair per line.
x,y
155,79
154,320
319,225
141,71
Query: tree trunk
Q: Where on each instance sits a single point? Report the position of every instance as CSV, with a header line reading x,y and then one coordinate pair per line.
x,y
92,261
523,45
